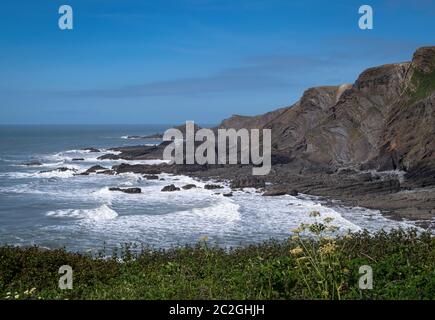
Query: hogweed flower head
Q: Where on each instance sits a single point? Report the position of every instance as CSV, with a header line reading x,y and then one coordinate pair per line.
x,y
297,230
296,251
328,248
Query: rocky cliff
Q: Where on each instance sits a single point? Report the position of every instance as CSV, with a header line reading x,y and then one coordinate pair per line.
x,y
384,121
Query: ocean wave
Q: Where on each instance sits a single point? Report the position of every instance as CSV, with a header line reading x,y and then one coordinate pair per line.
x,y
98,214
69,155
20,189
41,174
75,151
279,215
224,209
41,165
106,195
128,137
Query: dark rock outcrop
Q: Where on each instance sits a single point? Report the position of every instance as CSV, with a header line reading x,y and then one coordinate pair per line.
x,y
212,186
274,193
32,164
280,191
170,188
96,168
127,190
137,168
61,169
247,182
151,177
188,186
108,172
135,153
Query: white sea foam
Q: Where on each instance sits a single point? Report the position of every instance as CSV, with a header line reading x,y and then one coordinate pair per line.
x,y
52,164
278,215
41,174
66,158
69,155
20,189
139,138
224,210
97,214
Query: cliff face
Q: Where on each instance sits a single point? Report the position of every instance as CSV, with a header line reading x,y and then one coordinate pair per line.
x,y
291,127
408,138
237,121
384,121
350,131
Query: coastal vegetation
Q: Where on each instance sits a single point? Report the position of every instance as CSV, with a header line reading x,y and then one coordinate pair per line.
x,y
317,267
423,85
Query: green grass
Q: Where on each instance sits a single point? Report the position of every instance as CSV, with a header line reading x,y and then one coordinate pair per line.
x,y
403,265
423,85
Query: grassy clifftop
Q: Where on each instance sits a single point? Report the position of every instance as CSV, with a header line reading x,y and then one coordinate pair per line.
x,y
403,266
423,85
422,82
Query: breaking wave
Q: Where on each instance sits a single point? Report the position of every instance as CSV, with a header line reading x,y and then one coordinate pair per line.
x,y
97,214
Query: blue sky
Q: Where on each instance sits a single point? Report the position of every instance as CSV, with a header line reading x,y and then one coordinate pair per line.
x,y
170,61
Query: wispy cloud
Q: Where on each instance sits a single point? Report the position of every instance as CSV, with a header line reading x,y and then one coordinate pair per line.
x,y
263,72
270,71
223,82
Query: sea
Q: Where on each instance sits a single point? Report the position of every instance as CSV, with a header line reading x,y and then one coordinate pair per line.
x,y
50,208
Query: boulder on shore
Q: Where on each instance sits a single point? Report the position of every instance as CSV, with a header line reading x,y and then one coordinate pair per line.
x,y
212,186
32,164
280,191
151,177
96,168
127,190
109,156
61,169
188,186
138,168
247,182
170,188
108,172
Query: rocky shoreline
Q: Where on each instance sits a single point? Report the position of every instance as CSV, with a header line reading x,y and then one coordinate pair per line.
x,y
390,192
